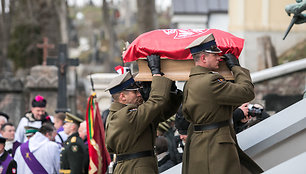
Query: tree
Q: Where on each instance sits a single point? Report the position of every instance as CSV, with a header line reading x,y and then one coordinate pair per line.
x,y
147,17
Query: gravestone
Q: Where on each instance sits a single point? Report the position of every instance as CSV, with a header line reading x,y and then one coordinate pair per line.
x,y
43,81
12,98
62,63
45,46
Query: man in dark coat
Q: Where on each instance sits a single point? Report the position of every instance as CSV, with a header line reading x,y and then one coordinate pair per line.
x,y
73,151
208,104
7,164
131,124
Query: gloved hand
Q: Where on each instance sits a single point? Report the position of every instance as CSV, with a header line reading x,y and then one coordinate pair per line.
x,y
230,60
154,64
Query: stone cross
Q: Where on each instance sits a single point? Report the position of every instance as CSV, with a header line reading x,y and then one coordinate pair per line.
x,y
45,47
62,64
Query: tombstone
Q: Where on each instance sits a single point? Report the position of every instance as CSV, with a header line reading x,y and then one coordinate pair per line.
x,y
43,81
11,98
62,63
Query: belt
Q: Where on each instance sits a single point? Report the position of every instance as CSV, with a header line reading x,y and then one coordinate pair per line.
x,y
204,127
125,157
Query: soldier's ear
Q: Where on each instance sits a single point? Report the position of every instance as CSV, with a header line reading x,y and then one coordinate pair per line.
x,y
202,58
122,96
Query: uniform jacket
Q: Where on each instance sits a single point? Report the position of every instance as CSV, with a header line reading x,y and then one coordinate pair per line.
x,y
208,99
73,155
12,166
131,129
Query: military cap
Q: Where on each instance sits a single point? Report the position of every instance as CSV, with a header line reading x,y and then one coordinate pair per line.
x,y
2,140
29,130
205,43
39,101
72,118
122,82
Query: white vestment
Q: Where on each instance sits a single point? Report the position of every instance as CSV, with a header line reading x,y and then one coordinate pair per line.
x,y
20,131
45,151
63,135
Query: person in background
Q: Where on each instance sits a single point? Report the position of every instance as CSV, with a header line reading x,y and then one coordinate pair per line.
x,y
33,118
40,154
59,119
83,135
241,117
30,131
7,164
73,151
8,132
162,154
3,119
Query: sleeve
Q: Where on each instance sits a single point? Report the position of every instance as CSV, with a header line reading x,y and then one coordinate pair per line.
x,y
228,93
56,157
75,158
19,134
154,107
12,167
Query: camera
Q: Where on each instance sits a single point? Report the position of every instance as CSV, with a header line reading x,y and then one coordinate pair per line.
x,y
254,111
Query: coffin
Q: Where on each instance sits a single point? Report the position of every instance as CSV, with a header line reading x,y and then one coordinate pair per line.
x,y
177,70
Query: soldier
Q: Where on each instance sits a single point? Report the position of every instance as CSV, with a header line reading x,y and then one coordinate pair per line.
x,y
131,123
7,164
72,155
208,104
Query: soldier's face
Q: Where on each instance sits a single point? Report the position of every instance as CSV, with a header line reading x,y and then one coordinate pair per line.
x,y
133,97
38,112
212,61
67,128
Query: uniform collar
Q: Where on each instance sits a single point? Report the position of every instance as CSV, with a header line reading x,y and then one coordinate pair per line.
x,y
116,106
199,70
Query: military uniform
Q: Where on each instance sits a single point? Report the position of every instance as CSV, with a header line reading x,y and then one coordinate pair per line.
x,y
209,99
131,129
73,151
208,104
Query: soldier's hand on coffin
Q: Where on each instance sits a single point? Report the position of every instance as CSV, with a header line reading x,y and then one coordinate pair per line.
x,y
230,60
154,64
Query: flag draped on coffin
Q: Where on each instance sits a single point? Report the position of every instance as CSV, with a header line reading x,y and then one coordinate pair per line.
x,y
171,43
99,158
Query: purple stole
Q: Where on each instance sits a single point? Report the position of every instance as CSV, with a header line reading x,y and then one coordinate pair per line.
x,y
6,162
60,129
15,145
30,159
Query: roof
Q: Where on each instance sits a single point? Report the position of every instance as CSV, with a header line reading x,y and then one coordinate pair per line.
x,y
199,6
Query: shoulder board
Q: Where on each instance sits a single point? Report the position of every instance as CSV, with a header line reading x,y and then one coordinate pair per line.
x,y
73,139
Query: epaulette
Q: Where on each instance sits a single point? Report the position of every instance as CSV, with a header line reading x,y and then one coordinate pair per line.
x,y
73,139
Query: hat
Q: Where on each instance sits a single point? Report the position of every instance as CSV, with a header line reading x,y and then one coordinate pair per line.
x,y
4,115
72,118
29,130
39,101
181,123
121,82
2,140
205,43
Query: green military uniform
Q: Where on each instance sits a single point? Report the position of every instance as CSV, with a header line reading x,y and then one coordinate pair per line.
x,y
73,151
208,99
131,128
